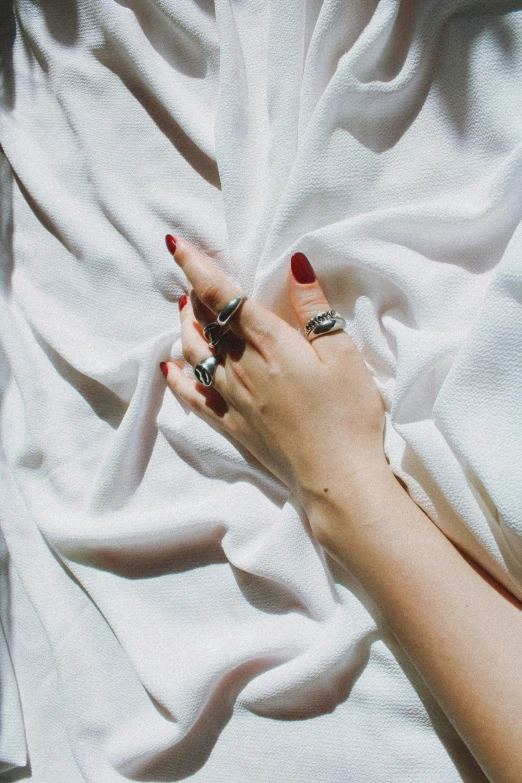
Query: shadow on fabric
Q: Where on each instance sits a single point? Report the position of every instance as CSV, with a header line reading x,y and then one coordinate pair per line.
x,y
7,37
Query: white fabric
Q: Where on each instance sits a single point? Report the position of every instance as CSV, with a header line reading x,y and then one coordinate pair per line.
x,y
167,613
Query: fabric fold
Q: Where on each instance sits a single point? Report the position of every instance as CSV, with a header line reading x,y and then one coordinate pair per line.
x,y
170,614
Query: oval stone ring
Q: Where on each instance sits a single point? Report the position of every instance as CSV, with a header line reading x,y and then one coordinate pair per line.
x,y
229,309
204,371
214,333
323,323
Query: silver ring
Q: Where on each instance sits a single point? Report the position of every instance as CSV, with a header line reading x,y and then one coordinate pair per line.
x,y
323,323
213,333
229,309
204,371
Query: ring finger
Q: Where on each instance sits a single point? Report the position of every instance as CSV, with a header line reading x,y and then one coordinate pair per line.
x,y
195,347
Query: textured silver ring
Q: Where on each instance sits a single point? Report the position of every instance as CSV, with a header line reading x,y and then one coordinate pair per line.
x,y
229,309
214,334
204,371
323,323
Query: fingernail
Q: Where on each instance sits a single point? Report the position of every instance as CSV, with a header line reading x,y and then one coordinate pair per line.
x,y
164,368
182,302
302,269
170,241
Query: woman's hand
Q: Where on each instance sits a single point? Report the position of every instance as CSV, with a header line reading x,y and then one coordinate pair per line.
x,y
312,414
309,411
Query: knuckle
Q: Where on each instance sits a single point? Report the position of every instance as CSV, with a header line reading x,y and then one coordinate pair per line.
x,y
346,345
273,371
267,340
243,383
264,342
341,348
211,295
233,425
264,409
311,303
239,372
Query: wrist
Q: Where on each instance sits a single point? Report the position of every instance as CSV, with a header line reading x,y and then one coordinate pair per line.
x,y
350,500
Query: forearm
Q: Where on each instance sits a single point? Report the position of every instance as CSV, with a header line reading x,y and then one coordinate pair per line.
x,y
268,392
463,634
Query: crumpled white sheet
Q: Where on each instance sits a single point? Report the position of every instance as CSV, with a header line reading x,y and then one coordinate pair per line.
x,y
167,612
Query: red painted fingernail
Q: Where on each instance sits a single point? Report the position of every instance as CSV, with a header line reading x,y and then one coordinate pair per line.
x,y
164,368
182,302
170,241
302,269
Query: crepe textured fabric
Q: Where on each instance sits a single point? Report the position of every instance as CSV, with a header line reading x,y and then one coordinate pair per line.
x,y
166,613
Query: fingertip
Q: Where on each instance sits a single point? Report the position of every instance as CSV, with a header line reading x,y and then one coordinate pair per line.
x,y
186,305
172,369
180,248
305,292
171,243
302,270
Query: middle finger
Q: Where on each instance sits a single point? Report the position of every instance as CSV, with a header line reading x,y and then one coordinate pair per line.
x,y
252,322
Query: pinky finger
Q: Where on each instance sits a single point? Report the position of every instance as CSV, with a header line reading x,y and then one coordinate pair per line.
x,y
204,400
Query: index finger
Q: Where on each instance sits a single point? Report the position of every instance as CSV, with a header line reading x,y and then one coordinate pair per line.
x,y
215,291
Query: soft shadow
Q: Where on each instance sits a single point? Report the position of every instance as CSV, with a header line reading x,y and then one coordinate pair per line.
x,y
14,775
6,224
6,625
378,121
397,47
207,6
345,286
40,215
120,65
7,37
61,19
215,464
464,30
148,559
192,752
267,595
336,687
182,51
106,405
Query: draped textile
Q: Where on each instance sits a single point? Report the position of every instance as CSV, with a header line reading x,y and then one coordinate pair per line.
x,y
166,613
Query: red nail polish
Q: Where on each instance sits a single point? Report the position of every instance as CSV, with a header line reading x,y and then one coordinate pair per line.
x,y
302,269
170,241
182,302
164,368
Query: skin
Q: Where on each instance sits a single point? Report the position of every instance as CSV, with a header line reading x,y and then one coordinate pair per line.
x,y
461,629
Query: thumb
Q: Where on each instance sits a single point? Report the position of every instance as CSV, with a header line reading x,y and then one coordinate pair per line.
x,y
306,295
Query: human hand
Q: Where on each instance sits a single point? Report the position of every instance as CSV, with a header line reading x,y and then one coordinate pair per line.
x,y
309,411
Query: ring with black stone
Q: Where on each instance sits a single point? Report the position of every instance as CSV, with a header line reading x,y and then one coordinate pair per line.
x,y
323,323
204,371
214,334
229,309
